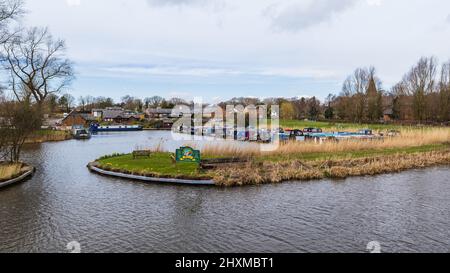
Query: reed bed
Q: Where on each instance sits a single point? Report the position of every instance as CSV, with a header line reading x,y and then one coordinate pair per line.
x,y
407,138
9,171
275,172
48,136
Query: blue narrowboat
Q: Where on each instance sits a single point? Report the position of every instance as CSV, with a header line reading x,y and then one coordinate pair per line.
x,y
115,128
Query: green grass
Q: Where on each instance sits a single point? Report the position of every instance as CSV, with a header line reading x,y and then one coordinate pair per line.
x,y
159,164
356,154
301,124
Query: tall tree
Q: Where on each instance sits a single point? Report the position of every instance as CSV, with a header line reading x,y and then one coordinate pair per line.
x,y
329,110
420,82
313,108
287,110
444,93
37,65
154,101
354,89
374,101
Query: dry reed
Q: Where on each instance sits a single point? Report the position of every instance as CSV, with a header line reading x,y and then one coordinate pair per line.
x,y
407,138
276,172
9,171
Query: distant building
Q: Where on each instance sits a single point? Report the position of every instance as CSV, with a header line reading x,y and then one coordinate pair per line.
x,y
78,118
388,115
159,113
117,115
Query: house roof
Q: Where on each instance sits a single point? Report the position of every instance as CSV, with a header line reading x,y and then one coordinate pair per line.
x,y
159,111
84,115
112,114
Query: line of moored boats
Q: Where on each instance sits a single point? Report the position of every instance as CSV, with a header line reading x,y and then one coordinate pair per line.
x,y
268,135
247,134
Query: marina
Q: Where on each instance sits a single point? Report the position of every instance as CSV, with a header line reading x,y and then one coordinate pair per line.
x,y
284,135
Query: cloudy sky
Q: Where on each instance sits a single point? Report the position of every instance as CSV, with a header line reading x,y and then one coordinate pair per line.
x,y
218,49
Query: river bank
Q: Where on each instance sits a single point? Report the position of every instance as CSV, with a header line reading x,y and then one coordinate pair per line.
x,y
43,136
11,173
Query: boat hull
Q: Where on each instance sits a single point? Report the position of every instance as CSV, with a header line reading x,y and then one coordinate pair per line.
x,y
95,129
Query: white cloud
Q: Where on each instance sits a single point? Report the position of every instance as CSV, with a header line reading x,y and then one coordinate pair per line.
x,y
179,71
297,15
73,3
175,2
173,71
374,2
177,45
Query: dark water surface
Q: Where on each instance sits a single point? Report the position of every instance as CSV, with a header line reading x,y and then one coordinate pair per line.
x,y
63,202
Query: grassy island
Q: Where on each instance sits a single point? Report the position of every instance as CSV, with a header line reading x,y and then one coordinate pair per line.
x,y
413,147
159,164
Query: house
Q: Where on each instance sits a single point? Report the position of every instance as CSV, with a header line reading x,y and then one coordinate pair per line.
x,y
159,113
78,118
118,115
388,115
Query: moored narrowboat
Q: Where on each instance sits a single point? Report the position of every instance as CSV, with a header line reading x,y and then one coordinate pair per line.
x,y
115,128
81,133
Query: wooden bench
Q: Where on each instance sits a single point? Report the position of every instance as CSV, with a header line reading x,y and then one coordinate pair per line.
x,y
141,153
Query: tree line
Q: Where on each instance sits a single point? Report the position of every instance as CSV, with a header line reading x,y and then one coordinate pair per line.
x,y
423,95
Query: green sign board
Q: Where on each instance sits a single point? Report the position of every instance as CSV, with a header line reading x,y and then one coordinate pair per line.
x,y
187,154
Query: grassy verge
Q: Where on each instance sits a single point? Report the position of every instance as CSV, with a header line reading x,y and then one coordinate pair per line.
x,y
157,165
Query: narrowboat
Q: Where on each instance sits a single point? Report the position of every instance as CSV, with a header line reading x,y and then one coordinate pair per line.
x,y
81,133
115,128
297,135
313,130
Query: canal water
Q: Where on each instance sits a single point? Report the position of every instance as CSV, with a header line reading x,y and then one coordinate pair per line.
x,y
63,202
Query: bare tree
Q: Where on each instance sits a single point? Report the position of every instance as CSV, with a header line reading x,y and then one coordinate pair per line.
x,y
19,121
37,65
154,101
355,87
9,10
444,92
66,102
420,82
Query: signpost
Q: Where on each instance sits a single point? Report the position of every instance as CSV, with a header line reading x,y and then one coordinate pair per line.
x,y
188,154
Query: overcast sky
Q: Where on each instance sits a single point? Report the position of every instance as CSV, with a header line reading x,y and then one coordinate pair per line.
x,y
218,49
